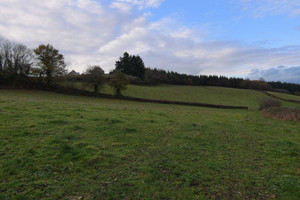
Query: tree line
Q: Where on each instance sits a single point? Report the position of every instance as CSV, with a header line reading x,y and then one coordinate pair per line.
x,y
20,66
134,67
15,61
158,76
18,63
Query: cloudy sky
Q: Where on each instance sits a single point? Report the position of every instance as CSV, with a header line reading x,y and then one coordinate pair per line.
x,y
244,38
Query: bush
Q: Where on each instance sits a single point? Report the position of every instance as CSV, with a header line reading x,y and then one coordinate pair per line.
x,y
268,103
94,76
118,81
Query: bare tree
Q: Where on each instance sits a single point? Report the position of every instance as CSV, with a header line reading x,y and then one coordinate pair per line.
x,y
1,56
15,58
22,59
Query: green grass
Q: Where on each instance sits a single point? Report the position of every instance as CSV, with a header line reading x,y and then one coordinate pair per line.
x,y
213,95
286,96
111,149
198,94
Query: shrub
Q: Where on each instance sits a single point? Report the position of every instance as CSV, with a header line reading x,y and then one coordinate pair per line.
x,y
94,76
118,81
269,102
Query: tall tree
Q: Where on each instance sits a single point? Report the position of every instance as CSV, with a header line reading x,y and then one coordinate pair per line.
x,y
1,56
50,61
22,59
6,52
15,59
94,76
131,65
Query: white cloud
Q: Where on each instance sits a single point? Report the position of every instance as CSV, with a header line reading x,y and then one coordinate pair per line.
x,y
88,32
128,5
121,6
141,3
261,8
281,73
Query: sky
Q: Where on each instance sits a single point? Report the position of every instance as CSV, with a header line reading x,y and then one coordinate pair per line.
x,y
236,38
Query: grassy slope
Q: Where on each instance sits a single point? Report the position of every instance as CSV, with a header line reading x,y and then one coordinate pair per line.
x,y
212,95
200,94
106,149
286,96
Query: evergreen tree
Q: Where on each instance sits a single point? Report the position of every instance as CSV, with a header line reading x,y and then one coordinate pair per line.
x,y
131,65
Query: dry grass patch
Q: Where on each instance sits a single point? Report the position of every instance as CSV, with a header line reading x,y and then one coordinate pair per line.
x,y
291,114
269,103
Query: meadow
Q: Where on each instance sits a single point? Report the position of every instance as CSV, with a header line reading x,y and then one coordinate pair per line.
x,y
54,146
202,94
286,96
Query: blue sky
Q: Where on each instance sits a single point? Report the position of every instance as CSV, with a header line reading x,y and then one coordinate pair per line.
x,y
230,20
241,38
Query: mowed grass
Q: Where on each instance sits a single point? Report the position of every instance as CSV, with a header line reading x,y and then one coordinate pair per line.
x,y
67,147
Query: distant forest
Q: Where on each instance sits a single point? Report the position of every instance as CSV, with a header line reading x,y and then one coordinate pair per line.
x,y
158,76
40,67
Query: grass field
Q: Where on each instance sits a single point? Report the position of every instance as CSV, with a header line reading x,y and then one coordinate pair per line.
x,y
199,94
55,146
286,96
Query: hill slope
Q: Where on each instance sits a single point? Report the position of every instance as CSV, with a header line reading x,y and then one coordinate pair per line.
x,y
65,147
200,94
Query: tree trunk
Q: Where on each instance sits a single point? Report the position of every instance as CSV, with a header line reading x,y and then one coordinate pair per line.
x,y
118,92
95,88
49,77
